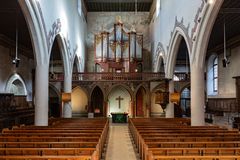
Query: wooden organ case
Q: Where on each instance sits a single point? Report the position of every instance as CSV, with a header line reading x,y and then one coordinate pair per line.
x,y
118,50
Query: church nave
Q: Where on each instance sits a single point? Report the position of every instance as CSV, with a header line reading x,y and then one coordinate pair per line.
x,y
119,143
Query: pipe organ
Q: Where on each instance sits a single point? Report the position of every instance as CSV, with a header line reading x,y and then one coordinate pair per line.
x,y
119,50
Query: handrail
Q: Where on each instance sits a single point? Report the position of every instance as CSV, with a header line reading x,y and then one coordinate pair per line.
x,y
110,76
107,76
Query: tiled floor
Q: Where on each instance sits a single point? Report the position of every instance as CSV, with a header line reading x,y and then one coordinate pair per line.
x,y
119,144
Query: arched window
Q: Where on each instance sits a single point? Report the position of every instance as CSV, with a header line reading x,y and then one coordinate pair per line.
x,y
215,74
16,85
212,75
185,100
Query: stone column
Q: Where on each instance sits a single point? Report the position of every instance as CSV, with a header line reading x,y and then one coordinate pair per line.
x,y
170,106
197,96
67,108
41,95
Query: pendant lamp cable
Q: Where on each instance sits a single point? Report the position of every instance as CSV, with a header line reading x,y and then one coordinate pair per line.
x,y
135,7
225,59
16,60
224,39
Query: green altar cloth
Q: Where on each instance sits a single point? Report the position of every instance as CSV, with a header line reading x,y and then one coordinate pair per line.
x,y
119,117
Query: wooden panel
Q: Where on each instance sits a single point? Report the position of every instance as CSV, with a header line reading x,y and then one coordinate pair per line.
x,y
222,105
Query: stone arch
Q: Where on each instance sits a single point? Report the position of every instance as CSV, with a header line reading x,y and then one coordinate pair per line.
x,y
203,32
79,101
185,86
76,62
96,85
54,102
141,97
20,84
175,41
125,100
36,25
159,59
55,90
159,87
97,103
124,86
75,67
64,53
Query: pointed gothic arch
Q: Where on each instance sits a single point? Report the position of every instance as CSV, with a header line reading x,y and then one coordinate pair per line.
x,y
36,26
62,46
159,59
177,36
119,99
97,102
203,32
16,85
54,102
76,64
79,102
141,102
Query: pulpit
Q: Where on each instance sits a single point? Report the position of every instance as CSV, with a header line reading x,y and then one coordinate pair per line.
x,y
119,117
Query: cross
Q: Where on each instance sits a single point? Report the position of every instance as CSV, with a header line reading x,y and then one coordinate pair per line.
x,y
119,101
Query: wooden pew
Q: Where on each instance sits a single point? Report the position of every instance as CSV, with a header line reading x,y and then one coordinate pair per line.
x,y
83,138
62,157
214,157
48,144
47,151
47,139
162,137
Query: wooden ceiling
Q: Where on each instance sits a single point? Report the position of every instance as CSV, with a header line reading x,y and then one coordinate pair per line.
x,y
229,12
118,5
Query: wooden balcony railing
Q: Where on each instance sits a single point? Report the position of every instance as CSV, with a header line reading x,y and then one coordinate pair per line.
x,y
149,76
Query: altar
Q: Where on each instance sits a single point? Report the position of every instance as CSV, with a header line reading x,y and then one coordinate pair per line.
x,y
119,117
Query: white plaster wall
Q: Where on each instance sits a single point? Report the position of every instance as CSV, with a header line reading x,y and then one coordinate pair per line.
x,y
79,101
7,69
162,26
73,26
156,109
113,104
226,84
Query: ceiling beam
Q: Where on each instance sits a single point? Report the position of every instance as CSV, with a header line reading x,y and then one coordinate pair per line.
x,y
118,1
230,11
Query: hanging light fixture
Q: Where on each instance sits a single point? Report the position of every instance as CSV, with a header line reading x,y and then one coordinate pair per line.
x,y
225,60
16,60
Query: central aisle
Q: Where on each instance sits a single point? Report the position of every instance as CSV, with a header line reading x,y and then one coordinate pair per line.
x,y
119,144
